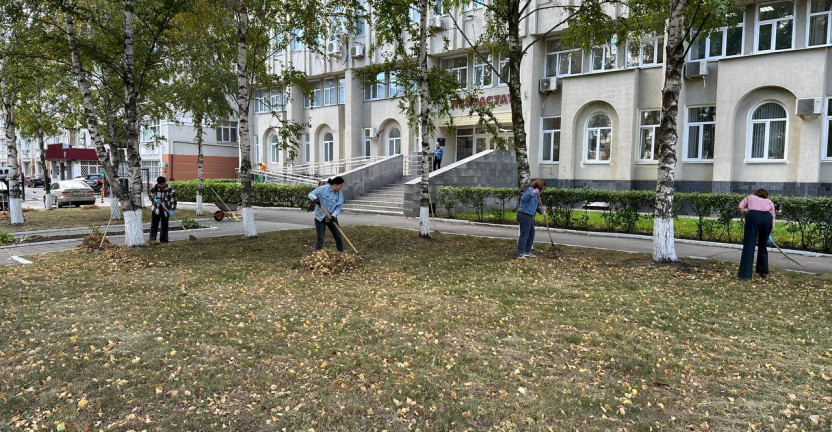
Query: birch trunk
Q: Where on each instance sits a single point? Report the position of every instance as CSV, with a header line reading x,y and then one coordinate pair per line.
x,y
424,118
515,55
115,159
44,167
92,127
15,199
664,248
199,162
249,226
133,234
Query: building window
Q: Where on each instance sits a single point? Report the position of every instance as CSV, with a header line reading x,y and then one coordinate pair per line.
x,y
227,132
395,87
297,43
376,90
767,138
265,102
307,148
550,142
342,85
505,71
317,100
328,146
274,149
775,25
458,67
598,139
820,16
561,61
366,149
647,52
724,42
330,96
394,142
701,133
827,155
647,137
482,71
602,58
151,131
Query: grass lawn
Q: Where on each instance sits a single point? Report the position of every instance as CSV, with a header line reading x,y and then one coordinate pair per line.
x,y
75,217
432,335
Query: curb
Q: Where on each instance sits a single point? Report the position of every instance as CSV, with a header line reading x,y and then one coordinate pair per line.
x,y
18,245
637,237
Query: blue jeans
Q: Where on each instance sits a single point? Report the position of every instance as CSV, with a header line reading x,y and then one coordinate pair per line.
x,y
526,240
320,230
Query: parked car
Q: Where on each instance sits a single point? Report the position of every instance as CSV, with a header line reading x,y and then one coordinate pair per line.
x,y
70,192
92,180
35,181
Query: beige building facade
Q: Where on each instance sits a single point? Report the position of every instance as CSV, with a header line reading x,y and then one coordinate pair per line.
x,y
755,107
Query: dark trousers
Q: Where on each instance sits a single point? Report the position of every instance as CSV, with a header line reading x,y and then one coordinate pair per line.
x,y
437,163
526,240
320,230
154,226
758,225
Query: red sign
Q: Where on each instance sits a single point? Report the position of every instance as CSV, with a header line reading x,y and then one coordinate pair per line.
x,y
57,152
484,100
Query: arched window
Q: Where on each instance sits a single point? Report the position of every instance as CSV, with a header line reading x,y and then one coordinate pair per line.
x,y
328,147
767,132
274,149
598,138
394,142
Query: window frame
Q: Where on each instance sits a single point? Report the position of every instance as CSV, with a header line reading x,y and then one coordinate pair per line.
x,y
658,52
809,16
503,62
457,70
394,141
342,85
773,23
641,129
750,135
826,145
557,55
330,91
394,88
307,148
227,129
154,125
700,144
328,147
587,129
274,149
486,70
724,32
604,51
554,160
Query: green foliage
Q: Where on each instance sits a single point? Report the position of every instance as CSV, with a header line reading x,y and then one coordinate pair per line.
x,y
263,194
447,198
6,237
189,223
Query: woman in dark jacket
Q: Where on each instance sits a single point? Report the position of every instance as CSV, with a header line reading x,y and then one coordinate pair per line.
x,y
529,205
759,215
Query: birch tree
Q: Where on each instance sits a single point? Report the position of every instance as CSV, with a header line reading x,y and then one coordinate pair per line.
x,y
427,91
682,21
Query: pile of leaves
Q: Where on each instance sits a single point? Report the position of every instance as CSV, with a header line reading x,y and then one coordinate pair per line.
x,y
91,207
120,257
327,261
93,242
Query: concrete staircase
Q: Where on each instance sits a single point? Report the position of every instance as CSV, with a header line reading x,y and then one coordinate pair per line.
x,y
388,200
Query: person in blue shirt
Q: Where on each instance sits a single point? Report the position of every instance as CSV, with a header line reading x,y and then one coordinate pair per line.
x,y
437,156
529,205
329,197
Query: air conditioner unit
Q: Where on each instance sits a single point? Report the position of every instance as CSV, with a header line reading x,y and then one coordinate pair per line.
x,y
696,69
436,22
357,51
370,133
551,84
810,106
333,48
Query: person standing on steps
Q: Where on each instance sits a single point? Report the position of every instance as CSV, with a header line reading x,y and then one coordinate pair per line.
x,y
437,156
330,198
162,208
759,214
529,206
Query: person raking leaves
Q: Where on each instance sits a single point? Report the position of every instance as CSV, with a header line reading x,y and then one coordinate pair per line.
x,y
163,206
759,214
330,198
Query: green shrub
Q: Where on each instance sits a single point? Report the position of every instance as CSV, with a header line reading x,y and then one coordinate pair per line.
x,y
6,237
447,198
262,194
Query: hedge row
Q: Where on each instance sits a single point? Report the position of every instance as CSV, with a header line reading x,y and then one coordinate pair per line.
x,y
263,194
809,220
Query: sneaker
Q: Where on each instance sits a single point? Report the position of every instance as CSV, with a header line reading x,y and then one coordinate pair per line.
x,y
529,255
521,256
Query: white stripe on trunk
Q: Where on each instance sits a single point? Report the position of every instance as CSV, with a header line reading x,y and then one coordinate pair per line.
x,y
16,211
133,233
424,222
249,227
664,249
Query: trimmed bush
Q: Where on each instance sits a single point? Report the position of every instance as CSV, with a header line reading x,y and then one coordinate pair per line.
x,y
262,194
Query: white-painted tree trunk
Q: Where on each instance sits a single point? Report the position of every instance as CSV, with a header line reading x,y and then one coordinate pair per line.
x,y
424,221
198,204
664,246
249,227
133,232
48,201
16,210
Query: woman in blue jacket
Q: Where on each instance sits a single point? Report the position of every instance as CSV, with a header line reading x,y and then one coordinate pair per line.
x,y
529,205
330,198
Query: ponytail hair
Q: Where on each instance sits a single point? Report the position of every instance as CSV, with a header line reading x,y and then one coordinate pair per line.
x,y
336,180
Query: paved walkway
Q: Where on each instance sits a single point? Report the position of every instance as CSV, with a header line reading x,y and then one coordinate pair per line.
x,y
276,219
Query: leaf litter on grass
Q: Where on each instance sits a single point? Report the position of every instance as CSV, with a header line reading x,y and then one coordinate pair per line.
x,y
96,243
326,261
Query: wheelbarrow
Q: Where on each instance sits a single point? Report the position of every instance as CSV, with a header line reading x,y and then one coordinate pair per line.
x,y
230,210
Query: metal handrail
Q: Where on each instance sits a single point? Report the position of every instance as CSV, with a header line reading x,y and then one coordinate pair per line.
x,y
270,176
318,169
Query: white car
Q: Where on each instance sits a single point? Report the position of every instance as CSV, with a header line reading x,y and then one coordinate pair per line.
x,y
70,192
